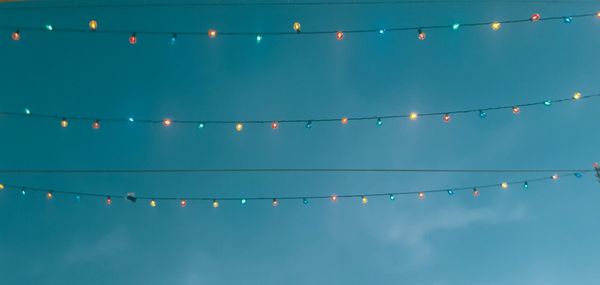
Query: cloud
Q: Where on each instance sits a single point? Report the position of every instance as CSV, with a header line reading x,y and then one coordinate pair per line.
x,y
414,235
103,246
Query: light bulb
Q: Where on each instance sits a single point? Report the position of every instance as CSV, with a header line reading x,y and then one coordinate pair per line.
x,y
215,204
239,127
274,125
275,203
364,200
49,195
308,125
344,120
554,177
475,192
212,33
482,114
339,36
496,26
525,185
392,197
96,125
78,198
450,192
153,203
244,201
64,123
333,198
48,27
304,201
27,111
131,119
133,39
516,110
167,122
201,126
173,39
568,20
535,17
1,186
455,26
578,175
108,200
421,195
576,96
379,122
16,35
547,102
258,38
296,27
93,25
421,35
23,192
413,116
446,118
183,203
381,32
504,185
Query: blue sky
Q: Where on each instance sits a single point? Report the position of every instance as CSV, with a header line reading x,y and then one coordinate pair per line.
x,y
546,235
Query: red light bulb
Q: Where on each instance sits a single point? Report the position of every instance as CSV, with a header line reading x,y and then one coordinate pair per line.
x,y
96,125
274,125
446,118
16,35
133,39
535,17
339,36
167,122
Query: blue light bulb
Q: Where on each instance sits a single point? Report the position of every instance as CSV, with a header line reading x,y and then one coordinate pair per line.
x,y
243,201
308,124
455,26
201,126
258,39
525,185
568,20
578,175
392,197
547,102
451,193
482,114
379,122
174,39
305,201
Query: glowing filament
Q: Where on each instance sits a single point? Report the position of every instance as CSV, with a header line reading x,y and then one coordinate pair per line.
x,y
49,195
421,35
413,116
108,200
475,192
167,122
274,125
446,118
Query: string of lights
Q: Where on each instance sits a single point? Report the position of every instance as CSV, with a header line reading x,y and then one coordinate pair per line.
x,y
18,5
278,170
446,116
215,201
94,26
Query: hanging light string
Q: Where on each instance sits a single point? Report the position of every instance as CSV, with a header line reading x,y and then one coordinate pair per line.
x,y
93,26
525,184
446,116
279,170
53,5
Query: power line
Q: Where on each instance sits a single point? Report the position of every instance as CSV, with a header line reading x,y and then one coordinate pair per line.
x,y
50,193
278,170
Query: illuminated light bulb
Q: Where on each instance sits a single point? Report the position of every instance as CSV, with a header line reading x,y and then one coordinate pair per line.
x,y
201,126
598,14
535,17
413,116
381,32
48,27
1,186
96,125
27,111
108,200
334,198
64,123
392,197
421,35
554,177
49,195
297,27
379,122
212,33
173,39
364,200
239,127
244,201
258,39
568,20
131,119
516,110
446,118
183,203
547,102
525,185
153,203
16,35
275,203
455,26
23,192
133,39
475,192
482,114
421,195
496,26
339,36
304,201
344,120
450,192
504,185
215,204
577,96
93,25
274,125
308,125
167,122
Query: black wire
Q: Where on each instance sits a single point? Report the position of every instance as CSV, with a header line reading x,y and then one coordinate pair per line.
x,y
312,120
55,5
275,170
412,192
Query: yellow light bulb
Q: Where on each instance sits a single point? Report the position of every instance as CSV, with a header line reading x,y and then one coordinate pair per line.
x,y
1,186
504,185
577,96
554,176
215,204
364,200
421,195
239,127
49,195
93,25
64,123
413,116
297,27
153,203
496,26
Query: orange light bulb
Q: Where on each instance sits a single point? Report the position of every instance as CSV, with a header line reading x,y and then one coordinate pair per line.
x,y
516,110
212,33
296,27
93,25
339,35
167,122
96,125
16,36
344,120
274,125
